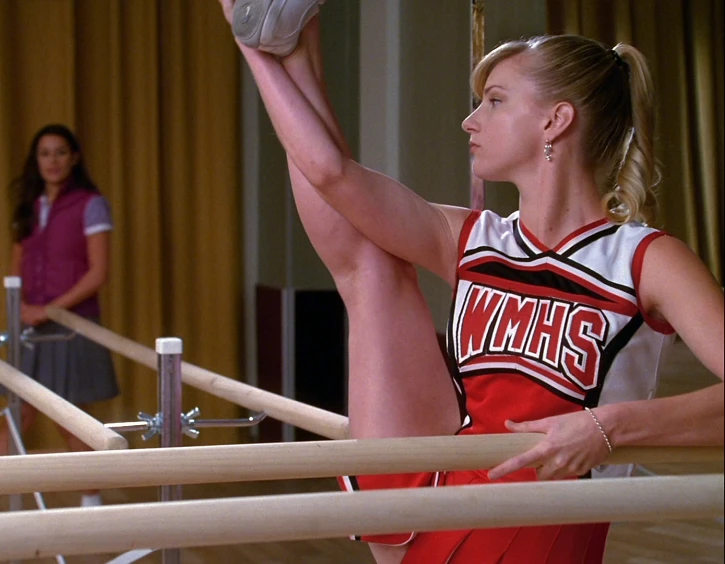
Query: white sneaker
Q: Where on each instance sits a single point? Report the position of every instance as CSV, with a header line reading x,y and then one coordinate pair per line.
x,y
91,500
272,25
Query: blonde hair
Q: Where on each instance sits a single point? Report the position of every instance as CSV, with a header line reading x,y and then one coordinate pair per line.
x,y
612,92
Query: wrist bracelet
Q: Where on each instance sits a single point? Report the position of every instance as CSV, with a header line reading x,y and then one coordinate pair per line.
x,y
601,429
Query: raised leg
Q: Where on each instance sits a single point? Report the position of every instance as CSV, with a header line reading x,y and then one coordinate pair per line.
x,y
398,380
399,383
27,417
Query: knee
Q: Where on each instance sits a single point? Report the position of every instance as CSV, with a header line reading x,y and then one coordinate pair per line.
x,y
373,273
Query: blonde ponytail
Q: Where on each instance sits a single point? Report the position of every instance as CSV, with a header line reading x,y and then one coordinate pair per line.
x,y
636,173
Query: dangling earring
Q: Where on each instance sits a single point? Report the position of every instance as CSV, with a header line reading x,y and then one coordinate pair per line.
x,y
548,149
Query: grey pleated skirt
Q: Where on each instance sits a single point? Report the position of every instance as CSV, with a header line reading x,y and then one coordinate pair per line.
x,y
76,369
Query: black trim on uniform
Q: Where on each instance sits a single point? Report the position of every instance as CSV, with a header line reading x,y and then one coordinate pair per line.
x,y
486,248
520,240
452,364
545,278
559,258
594,274
584,242
610,352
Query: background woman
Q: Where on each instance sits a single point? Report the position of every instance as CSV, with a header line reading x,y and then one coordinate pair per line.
x,y
61,229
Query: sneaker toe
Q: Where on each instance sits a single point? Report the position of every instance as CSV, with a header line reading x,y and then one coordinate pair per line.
x,y
247,19
283,23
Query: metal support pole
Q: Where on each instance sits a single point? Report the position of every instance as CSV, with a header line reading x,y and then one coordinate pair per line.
x,y
288,310
288,355
13,285
169,394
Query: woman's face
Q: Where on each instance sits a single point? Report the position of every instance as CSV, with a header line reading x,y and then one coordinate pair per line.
x,y
55,159
506,130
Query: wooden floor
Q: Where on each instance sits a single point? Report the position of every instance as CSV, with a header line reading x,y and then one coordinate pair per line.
x,y
676,542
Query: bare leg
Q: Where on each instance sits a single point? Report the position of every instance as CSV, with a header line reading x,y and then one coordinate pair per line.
x,y
398,384
27,417
393,344
76,445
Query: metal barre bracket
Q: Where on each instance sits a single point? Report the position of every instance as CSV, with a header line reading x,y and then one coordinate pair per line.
x,y
28,337
189,424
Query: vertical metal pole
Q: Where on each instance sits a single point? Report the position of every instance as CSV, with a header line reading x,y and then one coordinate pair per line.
x,y
288,311
169,391
13,285
288,355
250,151
40,502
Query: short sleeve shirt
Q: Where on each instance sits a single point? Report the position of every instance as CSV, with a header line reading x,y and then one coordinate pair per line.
x,y
96,217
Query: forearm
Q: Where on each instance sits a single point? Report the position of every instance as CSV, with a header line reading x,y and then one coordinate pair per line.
x,y
87,286
16,258
304,67
302,133
693,419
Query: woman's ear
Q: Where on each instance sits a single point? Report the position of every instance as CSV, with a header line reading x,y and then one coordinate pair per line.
x,y
561,117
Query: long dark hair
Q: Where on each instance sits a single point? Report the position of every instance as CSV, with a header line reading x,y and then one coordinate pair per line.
x,y
27,187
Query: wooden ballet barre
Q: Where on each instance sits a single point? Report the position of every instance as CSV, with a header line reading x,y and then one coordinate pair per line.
x,y
30,534
313,419
75,420
286,461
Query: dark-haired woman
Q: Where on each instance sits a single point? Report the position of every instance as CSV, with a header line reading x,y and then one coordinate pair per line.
x,y
61,235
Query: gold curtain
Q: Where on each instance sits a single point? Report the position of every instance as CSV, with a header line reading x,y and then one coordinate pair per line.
x,y
152,89
477,30
683,41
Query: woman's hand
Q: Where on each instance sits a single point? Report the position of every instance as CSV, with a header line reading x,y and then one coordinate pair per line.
x,y
573,445
33,315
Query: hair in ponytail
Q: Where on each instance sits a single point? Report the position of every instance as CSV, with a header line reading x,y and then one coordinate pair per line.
x,y
635,170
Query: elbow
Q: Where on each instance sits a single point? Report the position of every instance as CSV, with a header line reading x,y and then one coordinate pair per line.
x,y
98,278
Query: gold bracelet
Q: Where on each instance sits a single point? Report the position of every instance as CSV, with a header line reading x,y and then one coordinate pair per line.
x,y
601,429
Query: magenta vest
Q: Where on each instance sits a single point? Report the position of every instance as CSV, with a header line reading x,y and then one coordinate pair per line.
x,y
56,258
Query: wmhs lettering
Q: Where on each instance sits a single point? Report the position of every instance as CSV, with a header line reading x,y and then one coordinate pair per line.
x,y
556,335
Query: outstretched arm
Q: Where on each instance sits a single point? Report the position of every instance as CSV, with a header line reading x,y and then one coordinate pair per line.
x,y
675,287
382,209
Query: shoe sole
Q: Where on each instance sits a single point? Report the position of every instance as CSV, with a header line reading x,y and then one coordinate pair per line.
x,y
254,23
247,20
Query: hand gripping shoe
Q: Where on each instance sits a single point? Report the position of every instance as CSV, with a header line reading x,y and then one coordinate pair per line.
x,y
272,25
